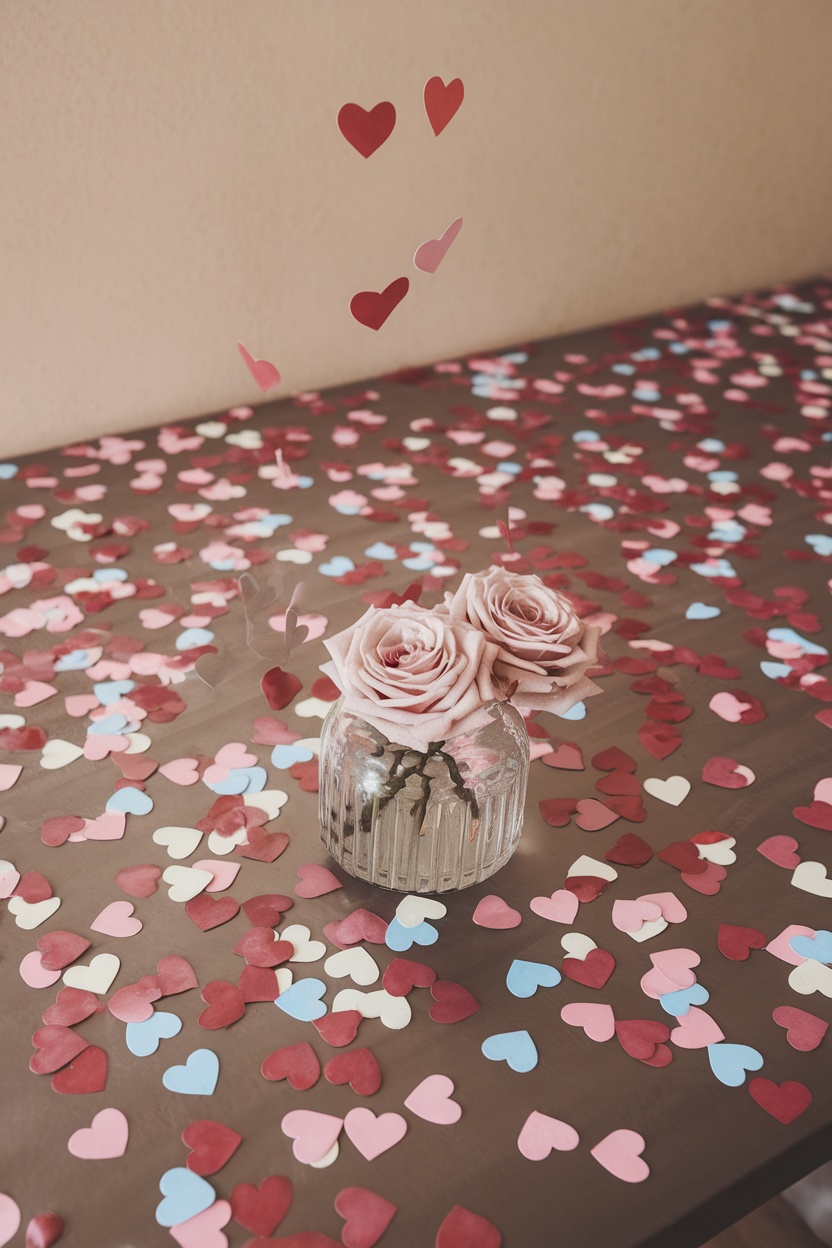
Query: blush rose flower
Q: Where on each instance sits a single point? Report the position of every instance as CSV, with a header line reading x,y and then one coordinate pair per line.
x,y
544,648
414,674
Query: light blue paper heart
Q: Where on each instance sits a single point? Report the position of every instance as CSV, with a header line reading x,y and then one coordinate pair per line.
x,y
524,978
110,725
143,1038
103,575
775,671
516,1048
380,550
419,563
110,691
198,1077
818,947
793,638
701,611
337,566
400,938
578,711
285,756
302,1000
821,543
659,556
597,511
721,567
7,471
186,1194
75,661
729,1062
191,637
130,801
678,1003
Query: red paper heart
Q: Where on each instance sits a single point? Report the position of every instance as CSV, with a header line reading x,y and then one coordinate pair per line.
x,y
372,308
270,731
594,815
33,887
87,1073
279,687
661,1057
263,846
71,1006
629,851
784,1101
557,811
212,1144
619,784
56,1047
367,1216
723,773
300,1239
463,1229
259,947
361,925
296,1062
44,1230
263,371
402,975
58,830
684,856
267,910
226,1005
175,975
142,881
367,130
781,850
358,1068
660,740
586,887
339,1028
818,815
804,1031
134,1002
207,911
639,1037
307,775
442,102
593,971
613,759
715,665
453,1002
262,1209
737,942
316,881
706,882
627,807
58,949
258,983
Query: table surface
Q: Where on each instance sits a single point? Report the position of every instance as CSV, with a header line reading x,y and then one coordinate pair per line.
x,y
654,465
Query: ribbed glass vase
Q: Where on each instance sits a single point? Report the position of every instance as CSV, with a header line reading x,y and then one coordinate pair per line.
x,y
423,822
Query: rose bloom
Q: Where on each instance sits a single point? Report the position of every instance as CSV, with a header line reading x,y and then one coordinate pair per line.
x,y
543,645
415,675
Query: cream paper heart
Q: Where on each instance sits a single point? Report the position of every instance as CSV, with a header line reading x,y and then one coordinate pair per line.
x,y
652,927
291,555
96,977
311,707
59,753
270,801
591,866
811,877
412,910
306,950
357,963
138,743
673,790
221,845
179,842
720,852
394,1012
577,945
30,914
185,882
811,976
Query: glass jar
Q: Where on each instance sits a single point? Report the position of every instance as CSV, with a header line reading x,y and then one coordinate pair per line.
x,y
423,822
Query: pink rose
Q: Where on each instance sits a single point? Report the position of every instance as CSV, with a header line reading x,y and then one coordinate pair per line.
x,y
543,645
415,675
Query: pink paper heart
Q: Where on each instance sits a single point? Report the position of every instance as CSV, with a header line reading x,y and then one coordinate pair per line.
x,y
540,1134
313,1133
106,1137
373,1135
33,972
706,882
495,913
204,1230
561,907
34,692
628,916
316,881
431,1100
224,873
620,1154
823,790
264,373
594,815
9,881
669,904
234,754
596,1019
781,945
184,771
9,775
430,255
80,704
9,1218
656,985
676,965
107,827
117,920
728,707
696,1030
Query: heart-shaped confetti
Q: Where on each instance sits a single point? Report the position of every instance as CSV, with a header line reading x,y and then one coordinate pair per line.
x,y
367,1215
541,1133
431,1100
261,1209
620,1154
106,1137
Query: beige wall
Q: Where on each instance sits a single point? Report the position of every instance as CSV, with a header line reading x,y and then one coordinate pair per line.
x,y
172,179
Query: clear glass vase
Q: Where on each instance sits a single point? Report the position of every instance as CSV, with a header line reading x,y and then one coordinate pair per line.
x,y
423,822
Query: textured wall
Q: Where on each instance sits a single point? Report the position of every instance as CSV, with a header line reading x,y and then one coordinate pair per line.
x,y
173,179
